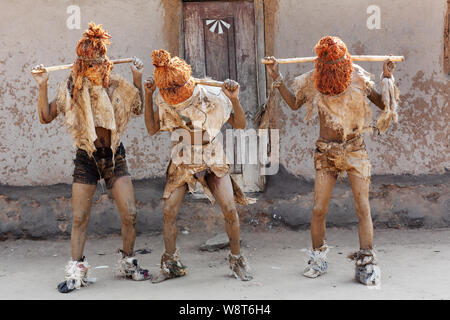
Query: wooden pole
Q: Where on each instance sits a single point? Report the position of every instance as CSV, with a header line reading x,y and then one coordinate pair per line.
x,y
69,66
354,58
208,82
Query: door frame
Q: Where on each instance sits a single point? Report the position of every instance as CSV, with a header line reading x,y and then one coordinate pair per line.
x,y
257,183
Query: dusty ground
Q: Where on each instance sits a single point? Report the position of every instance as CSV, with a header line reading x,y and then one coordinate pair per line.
x,y
414,265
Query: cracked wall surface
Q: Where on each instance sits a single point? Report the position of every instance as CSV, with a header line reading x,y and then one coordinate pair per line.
x,y
34,154
419,143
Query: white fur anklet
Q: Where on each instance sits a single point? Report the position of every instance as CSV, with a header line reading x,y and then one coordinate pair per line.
x,y
317,263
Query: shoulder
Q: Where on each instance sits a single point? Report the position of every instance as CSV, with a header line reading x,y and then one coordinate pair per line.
x,y
304,85
158,99
209,91
65,87
304,80
116,81
362,77
63,95
214,96
204,89
360,72
66,84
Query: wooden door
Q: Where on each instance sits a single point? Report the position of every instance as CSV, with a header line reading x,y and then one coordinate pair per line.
x,y
219,42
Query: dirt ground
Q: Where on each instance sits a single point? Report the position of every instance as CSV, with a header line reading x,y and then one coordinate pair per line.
x,y
414,265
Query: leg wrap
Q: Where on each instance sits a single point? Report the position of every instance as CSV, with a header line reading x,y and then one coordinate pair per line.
x,y
171,265
127,267
75,277
317,263
366,269
239,267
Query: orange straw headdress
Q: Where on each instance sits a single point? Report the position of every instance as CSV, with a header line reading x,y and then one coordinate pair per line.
x,y
172,77
333,67
92,61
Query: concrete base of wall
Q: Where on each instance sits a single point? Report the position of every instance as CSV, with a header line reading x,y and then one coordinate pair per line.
x,y
396,202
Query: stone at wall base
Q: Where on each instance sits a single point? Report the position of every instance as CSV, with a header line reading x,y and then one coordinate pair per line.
x,y
396,202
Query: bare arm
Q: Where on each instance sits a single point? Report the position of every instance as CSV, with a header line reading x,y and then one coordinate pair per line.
x,y
47,111
136,69
237,119
375,97
151,118
286,94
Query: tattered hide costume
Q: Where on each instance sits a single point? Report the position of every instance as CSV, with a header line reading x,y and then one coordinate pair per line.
x,y
109,108
94,97
338,90
96,106
198,112
208,109
183,104
348,112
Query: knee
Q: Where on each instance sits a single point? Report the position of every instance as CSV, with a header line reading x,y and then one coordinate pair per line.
x,y
319,211
229,209
131,217
169,214
362,208
230,213
80,221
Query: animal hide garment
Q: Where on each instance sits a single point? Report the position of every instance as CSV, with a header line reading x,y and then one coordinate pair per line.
x,y
348,111
390,95
96,106
208,109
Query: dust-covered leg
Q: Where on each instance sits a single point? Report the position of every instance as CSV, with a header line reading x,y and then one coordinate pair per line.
x,y
123,193
171,266
77,269
222,190
360,188
323,187
366,271
82,195
170,213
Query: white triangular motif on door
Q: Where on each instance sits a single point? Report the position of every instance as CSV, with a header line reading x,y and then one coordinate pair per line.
x,y
217,24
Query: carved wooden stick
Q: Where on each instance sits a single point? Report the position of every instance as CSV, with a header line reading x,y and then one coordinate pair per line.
x,y
354,58
69,66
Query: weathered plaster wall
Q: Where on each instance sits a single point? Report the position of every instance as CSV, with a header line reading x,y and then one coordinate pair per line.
x,y
33,32
419,143
35,154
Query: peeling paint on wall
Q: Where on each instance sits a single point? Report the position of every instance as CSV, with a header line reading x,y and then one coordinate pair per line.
x,y
36,154
418,144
